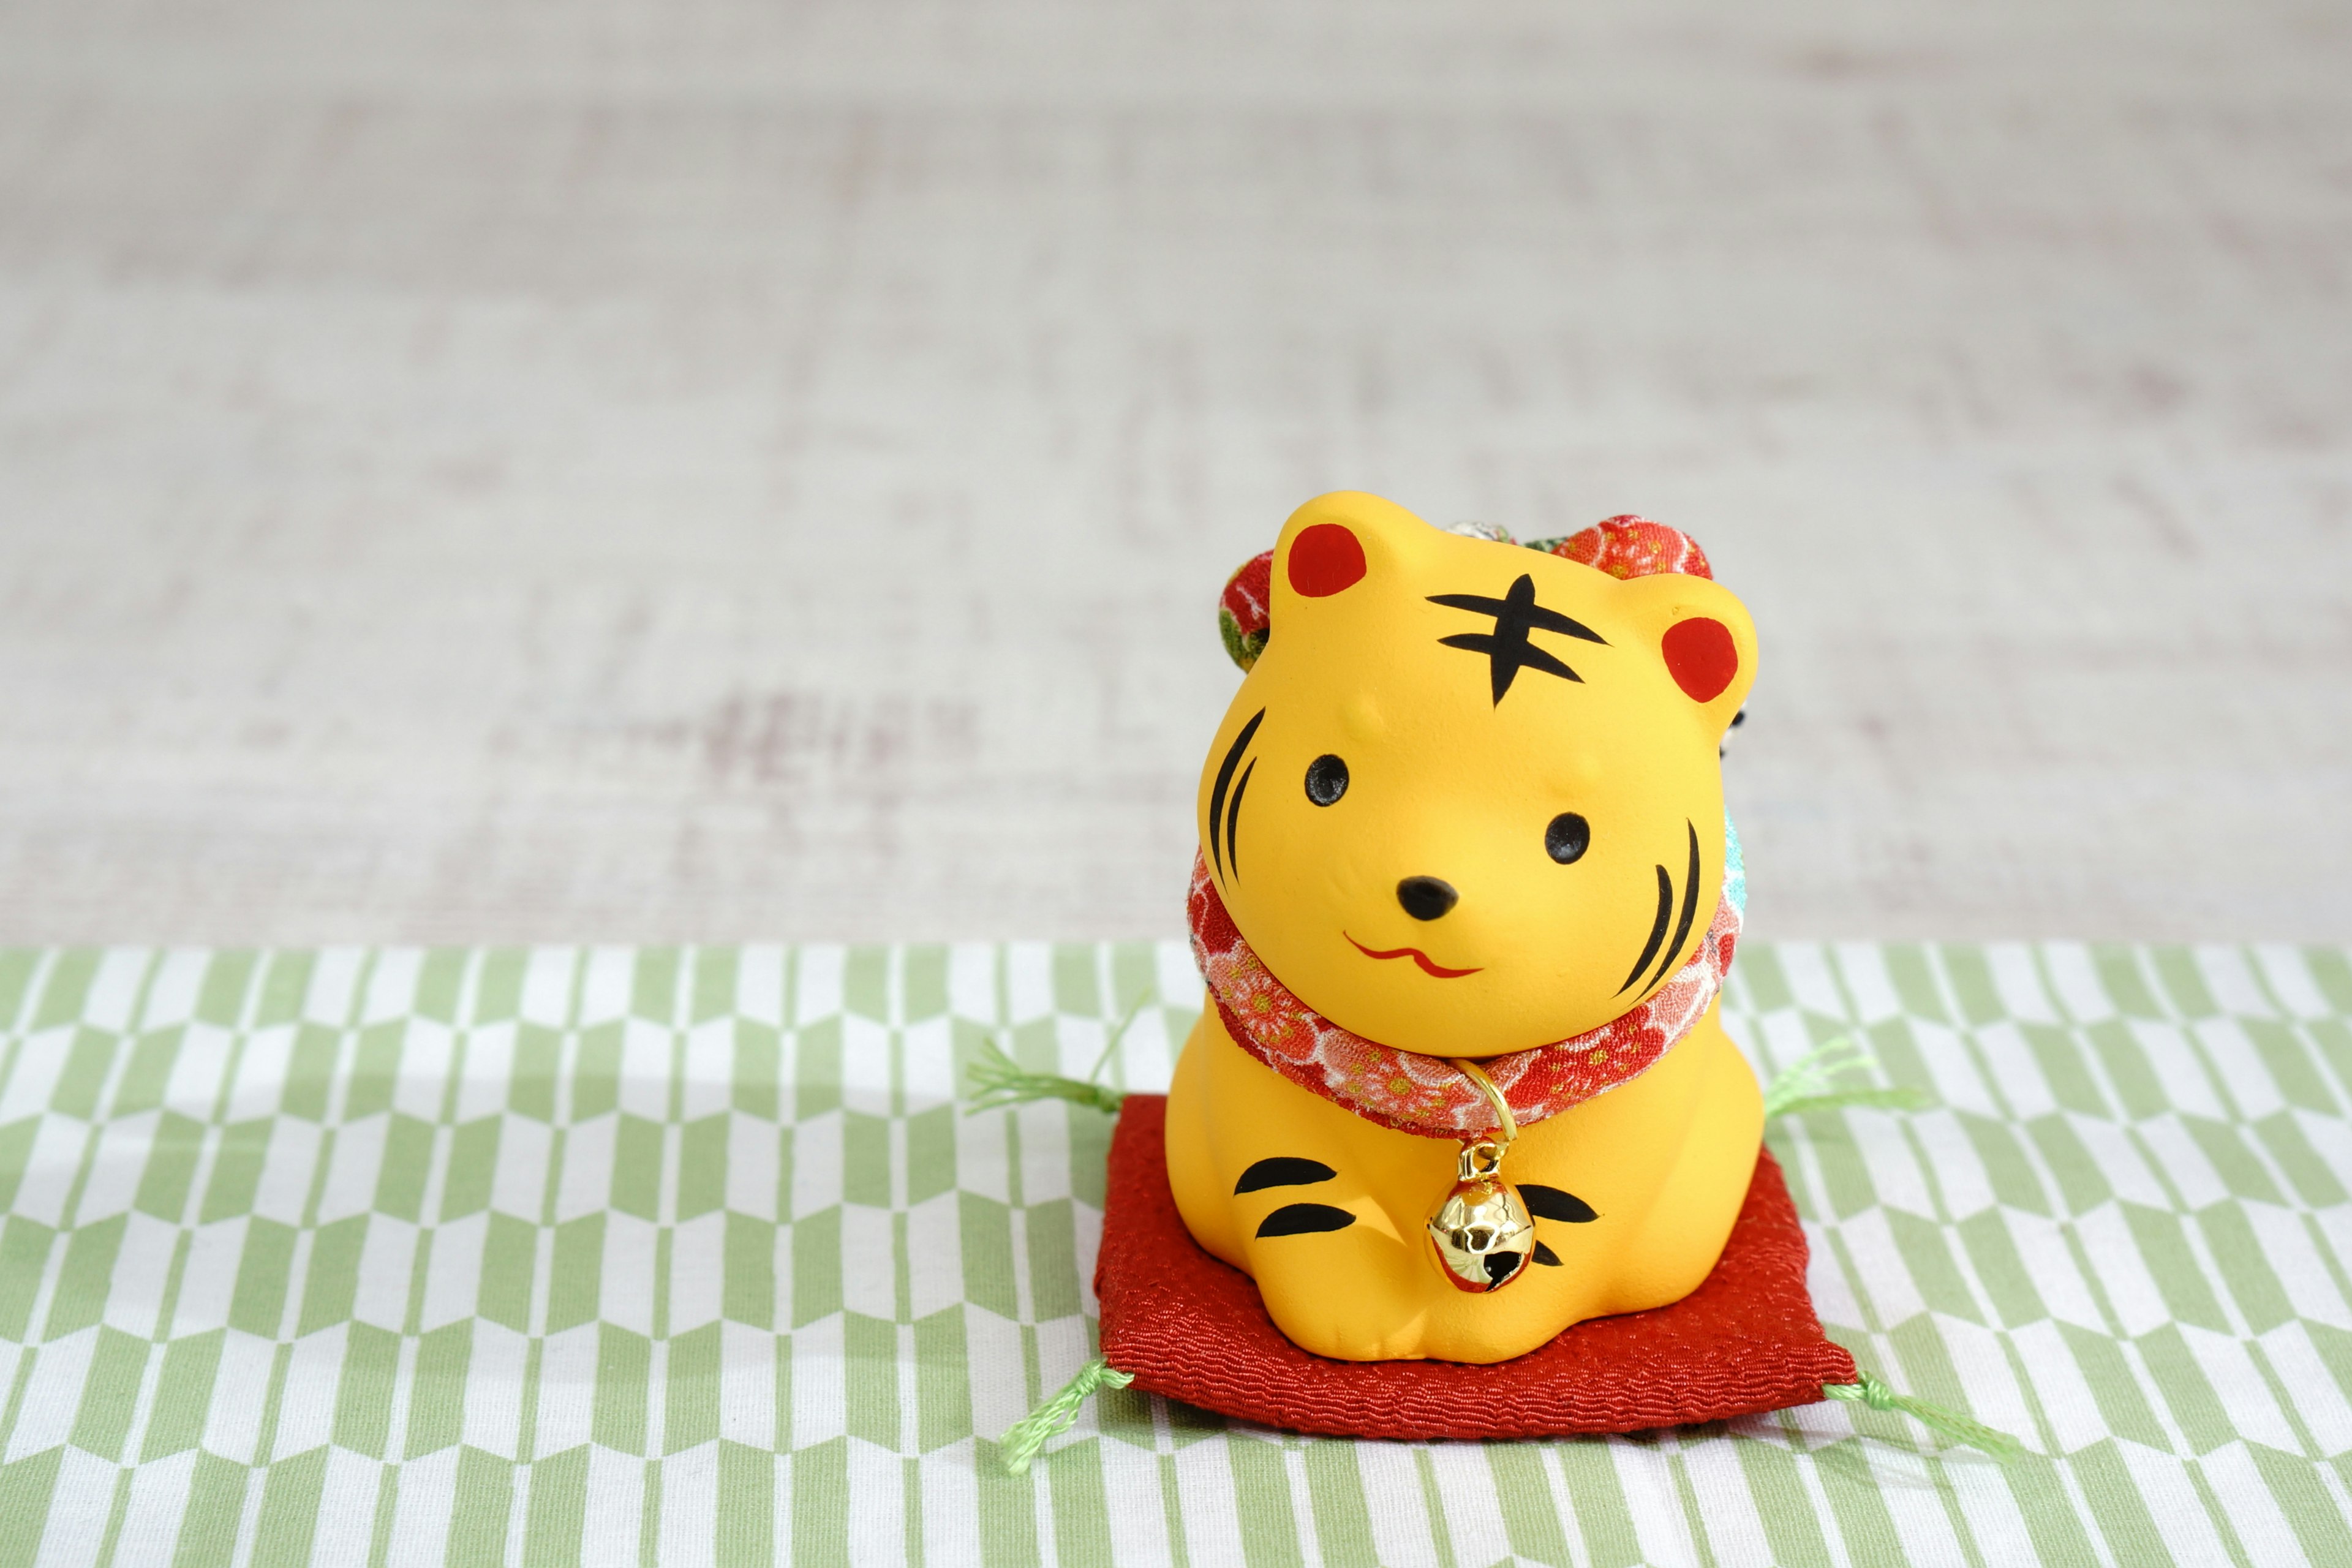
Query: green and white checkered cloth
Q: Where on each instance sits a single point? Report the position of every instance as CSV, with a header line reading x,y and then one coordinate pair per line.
x,y
690,1257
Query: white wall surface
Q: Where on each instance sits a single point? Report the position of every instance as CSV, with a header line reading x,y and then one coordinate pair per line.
x,y
705,469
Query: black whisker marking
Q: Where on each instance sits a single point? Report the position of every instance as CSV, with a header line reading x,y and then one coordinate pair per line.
x,y
1545,1255
1283,1171
1657,929
1224,778
1690,907
1233,823
1304,1219
1552,1202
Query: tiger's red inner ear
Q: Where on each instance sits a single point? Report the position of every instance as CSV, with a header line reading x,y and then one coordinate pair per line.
x,y
1325,559
1701,657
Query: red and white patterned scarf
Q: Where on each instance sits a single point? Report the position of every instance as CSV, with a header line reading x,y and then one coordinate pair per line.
x,y
1429,1096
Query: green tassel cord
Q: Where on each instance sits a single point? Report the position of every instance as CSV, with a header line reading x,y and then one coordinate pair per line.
x,y
1806,1084
1028,1437
1029,1434
1869,1391
996,1081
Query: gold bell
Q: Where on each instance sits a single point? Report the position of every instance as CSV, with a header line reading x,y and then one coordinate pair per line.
x,y
1482,1232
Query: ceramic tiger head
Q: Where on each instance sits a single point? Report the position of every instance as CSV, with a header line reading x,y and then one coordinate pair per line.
x,y
1467,799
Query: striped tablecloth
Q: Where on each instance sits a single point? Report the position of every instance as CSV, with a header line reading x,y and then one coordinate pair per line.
x,y
636,1256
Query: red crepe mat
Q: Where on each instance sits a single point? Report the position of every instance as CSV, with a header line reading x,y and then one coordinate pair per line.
x,y
1192,1328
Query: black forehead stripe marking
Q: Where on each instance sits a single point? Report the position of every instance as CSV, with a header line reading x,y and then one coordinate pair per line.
x,y
1552,1202
1505,662
1234,822
1304,1219
1690,906
1224,779
1506,647
1541,617
1283,1171
1545,1255
1657,929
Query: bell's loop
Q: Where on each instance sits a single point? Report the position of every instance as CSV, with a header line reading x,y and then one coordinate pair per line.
x,y
1506,1126
1479,1161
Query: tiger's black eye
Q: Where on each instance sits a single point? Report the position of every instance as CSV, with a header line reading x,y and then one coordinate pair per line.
x,y
1326,779
1568,837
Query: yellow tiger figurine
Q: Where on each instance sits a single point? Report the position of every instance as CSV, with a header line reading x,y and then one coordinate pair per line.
x,y
1466,894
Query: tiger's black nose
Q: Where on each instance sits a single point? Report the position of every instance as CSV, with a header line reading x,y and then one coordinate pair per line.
x,y
1426,897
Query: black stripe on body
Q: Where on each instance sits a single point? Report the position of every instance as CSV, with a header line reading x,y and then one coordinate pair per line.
x,y
1283,1171
1304,1219
1657,929
1690,908
1551,1203
1545,1255
1224,781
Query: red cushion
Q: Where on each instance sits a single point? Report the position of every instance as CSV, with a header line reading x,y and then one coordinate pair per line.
x,y
1193,1329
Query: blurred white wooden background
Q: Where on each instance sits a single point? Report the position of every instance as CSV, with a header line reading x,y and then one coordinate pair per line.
x,y
715,468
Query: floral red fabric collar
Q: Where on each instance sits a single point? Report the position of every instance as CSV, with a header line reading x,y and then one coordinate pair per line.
x,y
1429,1096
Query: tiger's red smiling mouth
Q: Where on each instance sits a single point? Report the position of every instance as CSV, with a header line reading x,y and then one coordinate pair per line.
x,y
1437,971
